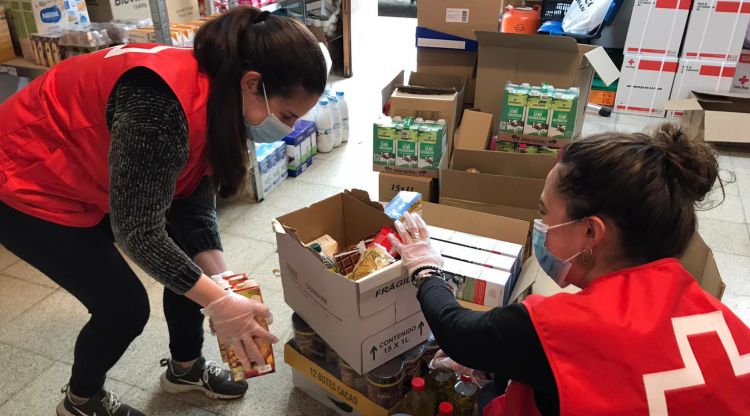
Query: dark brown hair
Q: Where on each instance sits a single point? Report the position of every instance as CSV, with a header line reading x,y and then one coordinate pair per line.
x,y
281,49
648,185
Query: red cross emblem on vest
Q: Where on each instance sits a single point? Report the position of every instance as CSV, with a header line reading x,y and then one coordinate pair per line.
x,y
700,337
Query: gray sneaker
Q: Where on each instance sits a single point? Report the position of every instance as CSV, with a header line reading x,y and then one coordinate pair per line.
x,y
204,376
102,404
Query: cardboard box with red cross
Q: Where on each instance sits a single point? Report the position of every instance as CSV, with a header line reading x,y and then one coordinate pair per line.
x,y
741,82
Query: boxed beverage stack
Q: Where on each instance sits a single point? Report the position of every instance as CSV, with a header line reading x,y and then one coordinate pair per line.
x,y
301,147
272,163
409,145
178,11
340,274
536,119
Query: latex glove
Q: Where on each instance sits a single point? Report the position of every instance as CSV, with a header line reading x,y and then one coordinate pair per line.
x,y
441,360
219,279
415,252
233,320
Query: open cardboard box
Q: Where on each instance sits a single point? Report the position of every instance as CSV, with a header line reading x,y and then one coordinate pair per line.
x,y
557,60
508,184
375,319
715,117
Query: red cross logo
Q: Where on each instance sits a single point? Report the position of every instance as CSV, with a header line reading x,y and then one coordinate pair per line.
x,y
744,80
631,62
706,336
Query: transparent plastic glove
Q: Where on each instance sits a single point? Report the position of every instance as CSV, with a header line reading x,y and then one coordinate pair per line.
x,y
441,360
219,279
233,320
416,250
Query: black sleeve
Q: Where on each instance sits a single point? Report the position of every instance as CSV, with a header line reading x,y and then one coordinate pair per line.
x,y
501,341
149,149
192,220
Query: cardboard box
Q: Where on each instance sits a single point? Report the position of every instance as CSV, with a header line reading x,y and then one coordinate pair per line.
x,y
656,27
535,59
741,82
450,24
6,45
716,30
702,75
450,62
645,84
327,389
391,184
179,11
474,131
364,321
715,118
442,97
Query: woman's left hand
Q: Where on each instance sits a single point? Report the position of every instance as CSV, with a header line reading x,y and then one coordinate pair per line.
x,y
416,250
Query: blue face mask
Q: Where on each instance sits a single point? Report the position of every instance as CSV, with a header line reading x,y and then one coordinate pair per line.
x,y
555,267
271,129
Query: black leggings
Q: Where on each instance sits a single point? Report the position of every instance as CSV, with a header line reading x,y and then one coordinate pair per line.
x,y
85,262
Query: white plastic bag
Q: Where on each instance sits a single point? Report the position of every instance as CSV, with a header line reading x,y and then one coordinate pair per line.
x,y
583,16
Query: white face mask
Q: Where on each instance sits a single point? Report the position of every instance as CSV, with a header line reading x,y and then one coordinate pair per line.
x,y
271,129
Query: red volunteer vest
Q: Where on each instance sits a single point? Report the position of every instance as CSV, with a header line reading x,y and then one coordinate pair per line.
x,y
641,341
54,141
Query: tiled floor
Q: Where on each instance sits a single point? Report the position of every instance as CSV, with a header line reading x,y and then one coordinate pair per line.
x,y
39,322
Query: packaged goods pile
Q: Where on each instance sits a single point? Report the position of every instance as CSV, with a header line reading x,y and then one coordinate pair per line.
x,y
272,164
412,144
241,284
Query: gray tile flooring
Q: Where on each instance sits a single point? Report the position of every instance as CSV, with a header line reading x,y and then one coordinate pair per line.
x,y
39,321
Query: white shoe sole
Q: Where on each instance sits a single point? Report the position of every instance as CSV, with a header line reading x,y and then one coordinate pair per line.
x,y
173,388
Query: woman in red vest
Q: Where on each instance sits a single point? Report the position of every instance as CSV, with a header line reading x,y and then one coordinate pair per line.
x,y
130,145
641,337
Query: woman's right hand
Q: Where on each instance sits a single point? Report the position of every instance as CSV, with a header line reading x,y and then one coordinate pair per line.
x,y
234,319
415,247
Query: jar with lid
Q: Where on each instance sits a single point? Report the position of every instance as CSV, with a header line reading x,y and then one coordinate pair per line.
x,y
385,383
309,343
351,378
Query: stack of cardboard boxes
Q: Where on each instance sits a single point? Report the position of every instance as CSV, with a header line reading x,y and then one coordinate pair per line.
x,y
656,69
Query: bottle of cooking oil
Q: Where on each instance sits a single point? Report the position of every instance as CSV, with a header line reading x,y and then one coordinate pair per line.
x,y
463,397
440,382
445,409
418,402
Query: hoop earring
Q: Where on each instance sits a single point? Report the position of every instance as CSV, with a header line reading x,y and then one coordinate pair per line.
x,y
586,258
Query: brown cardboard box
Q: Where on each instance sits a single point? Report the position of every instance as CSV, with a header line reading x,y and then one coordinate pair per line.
x,y
557,60
391,184
6,44
698,260
715,117
474,131
450,62
359,320
458,17
443,99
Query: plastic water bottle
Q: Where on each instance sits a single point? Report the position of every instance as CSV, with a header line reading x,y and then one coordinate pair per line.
x,y
324,127
334,107
344,110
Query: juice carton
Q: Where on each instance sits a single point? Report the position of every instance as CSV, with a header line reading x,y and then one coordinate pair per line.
x,y
384,142
537,112
563,118
513,112
242,285
431,145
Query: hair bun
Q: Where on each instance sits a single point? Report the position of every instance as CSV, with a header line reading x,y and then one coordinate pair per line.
x,y
691,162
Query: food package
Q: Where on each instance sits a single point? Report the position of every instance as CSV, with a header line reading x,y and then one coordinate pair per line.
x,y
379,255
249,288
328,244
404,202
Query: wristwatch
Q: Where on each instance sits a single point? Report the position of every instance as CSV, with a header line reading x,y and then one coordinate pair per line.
x,y
425,272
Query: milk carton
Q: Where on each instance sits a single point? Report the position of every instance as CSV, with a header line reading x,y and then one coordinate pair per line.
x,y
384,142
431,145
563,117
537,112
513,111
406,146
